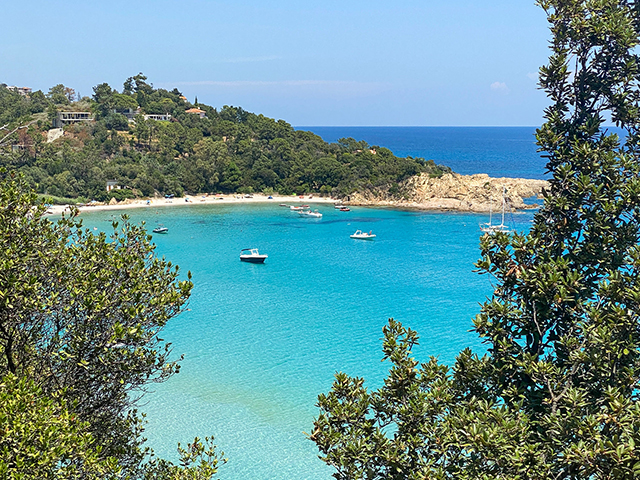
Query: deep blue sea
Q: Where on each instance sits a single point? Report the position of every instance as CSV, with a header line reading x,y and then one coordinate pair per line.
x,y
260,342
498,151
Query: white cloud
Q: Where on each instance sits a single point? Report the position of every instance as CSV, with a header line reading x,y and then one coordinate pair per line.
x,y
532,76
499,87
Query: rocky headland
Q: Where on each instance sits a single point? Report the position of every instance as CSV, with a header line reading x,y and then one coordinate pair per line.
x,y
468,193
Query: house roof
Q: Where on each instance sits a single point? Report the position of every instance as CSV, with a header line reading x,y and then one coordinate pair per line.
x,y
194,110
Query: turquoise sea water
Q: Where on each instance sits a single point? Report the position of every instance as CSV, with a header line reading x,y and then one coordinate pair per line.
x,y
262,341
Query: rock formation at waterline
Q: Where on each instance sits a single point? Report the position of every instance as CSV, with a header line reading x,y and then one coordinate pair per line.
x,y
471,193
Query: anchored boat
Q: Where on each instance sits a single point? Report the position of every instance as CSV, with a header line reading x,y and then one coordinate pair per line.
x,y
252,255
360,235
491,228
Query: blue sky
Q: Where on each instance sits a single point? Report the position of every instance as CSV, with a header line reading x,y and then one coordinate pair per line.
x,y
350,62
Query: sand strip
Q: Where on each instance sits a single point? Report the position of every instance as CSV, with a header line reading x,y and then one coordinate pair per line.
x,y
57,210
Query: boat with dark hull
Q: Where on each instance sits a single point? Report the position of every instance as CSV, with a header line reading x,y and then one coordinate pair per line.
x,y
252,255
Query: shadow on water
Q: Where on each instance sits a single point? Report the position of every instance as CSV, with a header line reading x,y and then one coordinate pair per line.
x,y
355,219
286,224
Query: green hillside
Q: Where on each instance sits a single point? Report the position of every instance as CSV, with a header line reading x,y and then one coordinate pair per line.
x,y
153,141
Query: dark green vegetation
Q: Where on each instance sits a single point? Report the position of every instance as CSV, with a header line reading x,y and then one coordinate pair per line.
x,y
80,319
230,150
557,394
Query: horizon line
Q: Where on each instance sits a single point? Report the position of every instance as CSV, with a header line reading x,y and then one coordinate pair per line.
x,y
421,126
426,126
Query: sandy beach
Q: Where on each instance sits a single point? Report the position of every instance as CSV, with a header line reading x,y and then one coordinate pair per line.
x,y
451,192
58,210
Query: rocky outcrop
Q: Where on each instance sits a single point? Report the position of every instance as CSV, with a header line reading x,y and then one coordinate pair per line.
x,y
54,134
470,193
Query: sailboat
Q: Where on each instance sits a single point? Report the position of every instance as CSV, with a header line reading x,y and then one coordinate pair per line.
x,y
490,228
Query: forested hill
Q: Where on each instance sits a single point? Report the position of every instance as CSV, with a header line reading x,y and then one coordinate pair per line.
x,y
153,141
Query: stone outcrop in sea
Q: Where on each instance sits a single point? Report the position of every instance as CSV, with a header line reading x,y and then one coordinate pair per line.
x,y
469,193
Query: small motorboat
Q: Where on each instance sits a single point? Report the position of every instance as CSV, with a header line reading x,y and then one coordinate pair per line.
x,y
252,255
360,235
309,213
345,209
293,207
338,206
284,205
161,229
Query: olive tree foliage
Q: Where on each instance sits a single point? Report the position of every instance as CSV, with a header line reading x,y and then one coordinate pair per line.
x,y
41,439
557,394
81,316
198,461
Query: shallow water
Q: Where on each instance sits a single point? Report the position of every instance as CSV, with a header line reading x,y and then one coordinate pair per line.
x,y
262,341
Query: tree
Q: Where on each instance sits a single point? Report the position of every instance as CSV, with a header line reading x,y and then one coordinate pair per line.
x,y
124,102
127,87
41,439
142,130
116,121
557,394
58,94
80,315
198,461
267,153
210,157
231,177
103,95
70,93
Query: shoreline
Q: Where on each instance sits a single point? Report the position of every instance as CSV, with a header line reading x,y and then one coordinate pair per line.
x,y
452,192
188,200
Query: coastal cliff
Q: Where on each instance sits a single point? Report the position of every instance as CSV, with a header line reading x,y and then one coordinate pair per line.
x,y
468,193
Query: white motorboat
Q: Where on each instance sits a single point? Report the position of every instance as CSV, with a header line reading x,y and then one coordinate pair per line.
x,y
338,206
293,207
310,214
252,255
360,235
161,229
